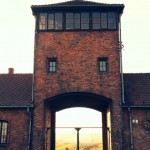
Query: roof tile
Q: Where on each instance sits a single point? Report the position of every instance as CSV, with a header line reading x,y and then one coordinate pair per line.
x,y
15,89
137,88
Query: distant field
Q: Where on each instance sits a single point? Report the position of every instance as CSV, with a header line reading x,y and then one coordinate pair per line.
x,y
90,139
83,146
64,146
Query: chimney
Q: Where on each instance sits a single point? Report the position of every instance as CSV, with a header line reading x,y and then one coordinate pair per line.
x,y
10,70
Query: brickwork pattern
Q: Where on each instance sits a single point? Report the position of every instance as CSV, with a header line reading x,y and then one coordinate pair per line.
x,y
140,129
77,56
18,123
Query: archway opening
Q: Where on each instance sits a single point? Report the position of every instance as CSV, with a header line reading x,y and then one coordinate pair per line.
x,y
89,123
66,101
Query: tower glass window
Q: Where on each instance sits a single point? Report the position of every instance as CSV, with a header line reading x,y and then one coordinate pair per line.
x,y
104,20
52,63
84,20
112,20
96,20
43,21
51,21
69,20
55,21
3,132
78,21
58,21
103,64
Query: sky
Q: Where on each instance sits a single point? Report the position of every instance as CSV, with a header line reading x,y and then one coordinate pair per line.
x,y
17,26
79,117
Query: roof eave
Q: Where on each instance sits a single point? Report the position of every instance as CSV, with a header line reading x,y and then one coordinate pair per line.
x,y
44,8
14,107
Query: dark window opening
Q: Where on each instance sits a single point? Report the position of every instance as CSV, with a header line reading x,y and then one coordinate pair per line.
x,y
103,64
52,63
3,132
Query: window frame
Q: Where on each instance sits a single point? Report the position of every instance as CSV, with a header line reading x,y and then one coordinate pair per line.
x,y
103,64
85,22
55,26
79,25
81,21
96,23
68,19
39,19
5,130
107,19
51,67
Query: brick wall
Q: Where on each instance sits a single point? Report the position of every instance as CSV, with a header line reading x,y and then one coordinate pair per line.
x,y
140,131
18,123
77,55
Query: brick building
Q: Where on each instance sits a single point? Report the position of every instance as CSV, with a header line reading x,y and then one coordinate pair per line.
x,y
77,63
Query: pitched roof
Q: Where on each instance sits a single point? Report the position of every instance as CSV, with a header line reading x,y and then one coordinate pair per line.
x,y
15,89
76,4
137,88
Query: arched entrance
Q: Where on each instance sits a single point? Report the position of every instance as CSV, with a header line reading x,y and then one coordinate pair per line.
x,y
76,99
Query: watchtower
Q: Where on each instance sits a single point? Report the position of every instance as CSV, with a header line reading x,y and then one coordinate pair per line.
x,y
77,63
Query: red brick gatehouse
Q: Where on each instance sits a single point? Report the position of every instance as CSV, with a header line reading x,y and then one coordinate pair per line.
x,y
77,63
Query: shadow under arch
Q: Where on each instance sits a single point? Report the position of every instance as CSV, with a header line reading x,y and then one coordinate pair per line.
x,y
76,99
